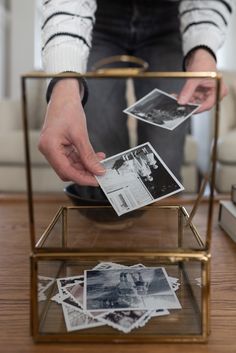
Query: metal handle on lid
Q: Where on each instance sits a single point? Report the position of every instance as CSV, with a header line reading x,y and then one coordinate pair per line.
x,y
99,66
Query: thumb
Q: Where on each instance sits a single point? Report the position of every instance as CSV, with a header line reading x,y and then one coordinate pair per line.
x,y
187,91
89,158
101,156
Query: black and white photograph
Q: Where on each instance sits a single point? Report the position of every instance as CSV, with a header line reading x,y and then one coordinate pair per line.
x,y
44,283
161,109
69,300
66,281
160,312
136,178
108,265
77,292
129,289
76,319
126,320
71,297
112,265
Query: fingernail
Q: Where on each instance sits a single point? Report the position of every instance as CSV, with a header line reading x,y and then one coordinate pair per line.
x,y
182,100
101,170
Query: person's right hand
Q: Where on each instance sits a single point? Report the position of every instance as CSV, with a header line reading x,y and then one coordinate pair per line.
x,y
64,138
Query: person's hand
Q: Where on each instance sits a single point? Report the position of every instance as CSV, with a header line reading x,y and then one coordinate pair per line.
x,y
64,138
201,90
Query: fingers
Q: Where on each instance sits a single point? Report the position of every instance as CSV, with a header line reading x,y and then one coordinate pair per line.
x,y
88,157
201,92
210,99
66,162
68,171
188,91
65,143
101,155
207,104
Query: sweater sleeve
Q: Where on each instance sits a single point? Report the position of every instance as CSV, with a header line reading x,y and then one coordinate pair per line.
x,y
204,23
66,34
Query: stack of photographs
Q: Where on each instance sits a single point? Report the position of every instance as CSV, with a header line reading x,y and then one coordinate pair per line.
x,y
122,297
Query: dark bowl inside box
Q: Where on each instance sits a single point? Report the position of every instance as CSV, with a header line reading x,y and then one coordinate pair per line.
x,y
94,196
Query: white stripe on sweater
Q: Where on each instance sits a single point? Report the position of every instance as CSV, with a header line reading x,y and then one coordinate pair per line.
x,y
64,53
210,35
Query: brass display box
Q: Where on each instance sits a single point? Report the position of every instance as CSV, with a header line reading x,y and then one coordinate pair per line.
x,y
155,236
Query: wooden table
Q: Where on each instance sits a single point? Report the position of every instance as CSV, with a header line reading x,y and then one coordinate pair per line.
x,y
14,292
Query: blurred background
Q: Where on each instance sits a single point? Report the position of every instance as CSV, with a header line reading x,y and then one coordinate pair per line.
x,y
20,52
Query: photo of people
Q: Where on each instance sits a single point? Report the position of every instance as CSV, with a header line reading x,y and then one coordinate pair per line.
x,y
137,177
161,109
130,288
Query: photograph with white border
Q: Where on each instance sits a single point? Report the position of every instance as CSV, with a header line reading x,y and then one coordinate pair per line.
x,y
137,177
76,319
77,292
66,281
129,289
126,320
44,283
121,320
161,109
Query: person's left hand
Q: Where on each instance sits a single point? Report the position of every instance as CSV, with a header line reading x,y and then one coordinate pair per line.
x,y
201,90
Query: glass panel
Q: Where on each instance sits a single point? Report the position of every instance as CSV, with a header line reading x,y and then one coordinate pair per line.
x,y
54,236
184,321
150,229
47,186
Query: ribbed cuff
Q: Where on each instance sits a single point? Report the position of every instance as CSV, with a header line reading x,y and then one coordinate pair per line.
x,y
67,57
211,39
195,48
82,84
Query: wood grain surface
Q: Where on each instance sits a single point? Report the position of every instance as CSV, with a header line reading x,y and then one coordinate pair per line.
x,y
14,289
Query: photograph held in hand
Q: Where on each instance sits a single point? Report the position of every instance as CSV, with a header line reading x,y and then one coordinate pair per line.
x,y
161,109
136,178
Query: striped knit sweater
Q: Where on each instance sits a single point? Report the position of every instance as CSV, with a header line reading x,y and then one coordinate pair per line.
x,y
67,29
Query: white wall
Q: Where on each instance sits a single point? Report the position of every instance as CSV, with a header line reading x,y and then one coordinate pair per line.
x,y
226,55
202,124
21,42
3,45
2,48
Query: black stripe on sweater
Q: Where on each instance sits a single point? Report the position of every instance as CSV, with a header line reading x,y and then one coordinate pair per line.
x,y
67,34
66,14
227,5
199,23
223,2
203,9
